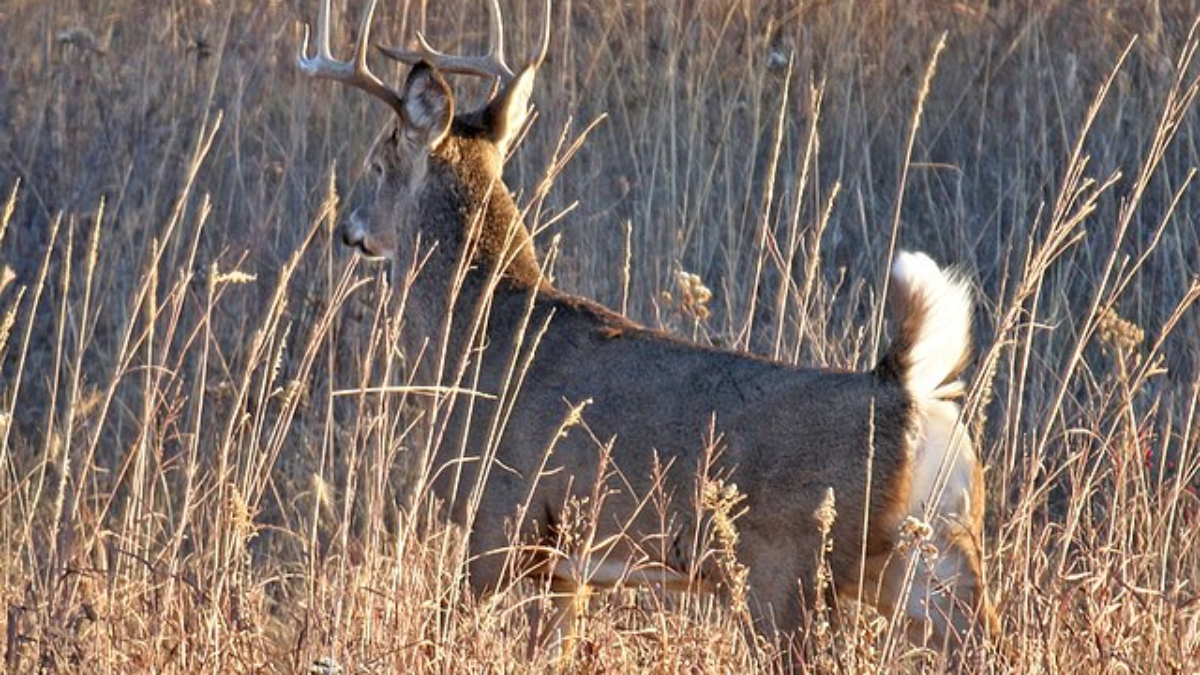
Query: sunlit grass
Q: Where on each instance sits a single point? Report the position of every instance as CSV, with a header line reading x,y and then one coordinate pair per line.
x,y
189,482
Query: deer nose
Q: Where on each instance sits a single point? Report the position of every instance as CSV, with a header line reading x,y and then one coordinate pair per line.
x,y
353,232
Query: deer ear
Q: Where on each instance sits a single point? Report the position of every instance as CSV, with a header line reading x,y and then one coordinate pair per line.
x,y
507,112
428,106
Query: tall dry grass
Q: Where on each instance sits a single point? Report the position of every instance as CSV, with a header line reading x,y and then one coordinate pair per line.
x,y
188,481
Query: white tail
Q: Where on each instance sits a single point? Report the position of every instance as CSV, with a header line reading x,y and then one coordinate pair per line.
x,y
933,310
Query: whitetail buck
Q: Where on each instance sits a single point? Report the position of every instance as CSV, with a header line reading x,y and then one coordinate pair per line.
x,y
480,315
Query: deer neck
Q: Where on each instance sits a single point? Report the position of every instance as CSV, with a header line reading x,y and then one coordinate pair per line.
x,y
481,263
501,243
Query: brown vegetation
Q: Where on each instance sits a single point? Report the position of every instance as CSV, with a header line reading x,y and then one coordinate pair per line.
x,y
196,474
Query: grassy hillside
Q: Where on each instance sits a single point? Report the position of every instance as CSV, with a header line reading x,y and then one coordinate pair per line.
x,y
191,479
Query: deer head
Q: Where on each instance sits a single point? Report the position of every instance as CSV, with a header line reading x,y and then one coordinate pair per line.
x,y
439,202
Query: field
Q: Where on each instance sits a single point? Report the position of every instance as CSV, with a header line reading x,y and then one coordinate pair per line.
x,y
202,468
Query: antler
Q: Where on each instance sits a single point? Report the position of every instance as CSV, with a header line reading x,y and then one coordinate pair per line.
x,y
353,73
489,64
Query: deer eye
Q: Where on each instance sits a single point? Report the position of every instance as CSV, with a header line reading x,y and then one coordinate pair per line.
x,y
377,169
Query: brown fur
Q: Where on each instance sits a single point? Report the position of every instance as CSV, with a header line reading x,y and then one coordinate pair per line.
x,y
466,261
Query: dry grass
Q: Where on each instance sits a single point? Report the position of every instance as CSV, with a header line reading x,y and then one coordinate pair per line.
x,y
182,488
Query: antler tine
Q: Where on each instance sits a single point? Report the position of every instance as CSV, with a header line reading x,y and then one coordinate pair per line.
x,y
496,34
352,73
489,64
544,42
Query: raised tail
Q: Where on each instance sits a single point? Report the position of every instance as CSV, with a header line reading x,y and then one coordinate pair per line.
x,y
931,309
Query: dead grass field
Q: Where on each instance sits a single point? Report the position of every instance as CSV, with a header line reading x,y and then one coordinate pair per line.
x,y
185,486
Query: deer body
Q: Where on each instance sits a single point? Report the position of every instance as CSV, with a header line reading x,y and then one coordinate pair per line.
x,y
788,434
481,317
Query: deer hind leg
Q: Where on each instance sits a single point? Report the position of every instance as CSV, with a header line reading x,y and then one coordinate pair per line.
x,y
560,627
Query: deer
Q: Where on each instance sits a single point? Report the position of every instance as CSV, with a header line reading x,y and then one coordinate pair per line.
x,y
890,442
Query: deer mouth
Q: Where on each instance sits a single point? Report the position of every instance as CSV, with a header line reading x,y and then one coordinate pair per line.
x,y
358,237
